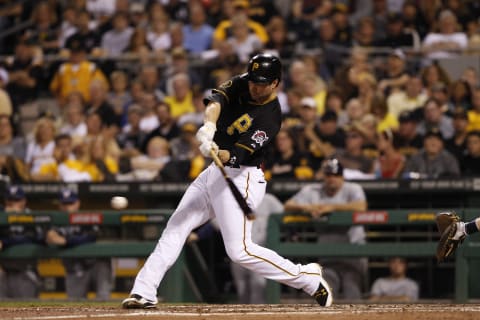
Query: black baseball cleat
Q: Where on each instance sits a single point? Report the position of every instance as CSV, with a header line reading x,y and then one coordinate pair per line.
x,y
323,295
135,301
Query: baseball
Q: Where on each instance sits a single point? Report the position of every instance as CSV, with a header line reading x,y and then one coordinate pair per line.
x,y
119,203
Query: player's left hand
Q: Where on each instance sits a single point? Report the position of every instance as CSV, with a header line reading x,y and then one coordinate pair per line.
x,y
207,146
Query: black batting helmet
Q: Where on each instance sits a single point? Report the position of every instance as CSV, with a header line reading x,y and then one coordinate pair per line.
x,y
332,167
264,68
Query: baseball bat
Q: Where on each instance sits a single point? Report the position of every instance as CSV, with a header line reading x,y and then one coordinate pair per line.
x,y
233,188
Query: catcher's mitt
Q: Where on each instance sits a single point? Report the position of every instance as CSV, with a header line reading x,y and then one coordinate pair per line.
x,y
447,226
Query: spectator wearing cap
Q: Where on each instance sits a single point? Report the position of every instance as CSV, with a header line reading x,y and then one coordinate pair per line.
x,y
21,280
458,143
434,117
406,139
333,195
413,96
432,161
80,273
308,120
395,76
224,28
447,41
474,113
397,36
471,158
325,139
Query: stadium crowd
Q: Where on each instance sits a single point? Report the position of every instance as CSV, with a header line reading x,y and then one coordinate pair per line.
x,y
118,86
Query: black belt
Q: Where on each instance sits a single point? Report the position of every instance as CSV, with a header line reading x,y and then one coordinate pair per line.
x,y
237,166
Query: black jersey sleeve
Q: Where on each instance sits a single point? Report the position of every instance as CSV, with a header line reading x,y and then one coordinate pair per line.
x,y
225,93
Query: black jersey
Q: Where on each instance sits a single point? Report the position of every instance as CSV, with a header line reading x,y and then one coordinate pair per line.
x,y
244,127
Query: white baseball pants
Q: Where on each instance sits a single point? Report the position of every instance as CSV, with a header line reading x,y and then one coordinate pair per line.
x,y
209,196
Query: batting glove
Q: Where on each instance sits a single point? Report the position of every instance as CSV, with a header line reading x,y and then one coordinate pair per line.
x,y
206,132
207,146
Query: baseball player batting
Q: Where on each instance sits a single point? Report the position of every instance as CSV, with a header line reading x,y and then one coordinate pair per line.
x,y
241,118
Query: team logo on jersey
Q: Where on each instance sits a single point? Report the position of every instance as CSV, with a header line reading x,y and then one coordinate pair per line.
x,y
226,84
260,137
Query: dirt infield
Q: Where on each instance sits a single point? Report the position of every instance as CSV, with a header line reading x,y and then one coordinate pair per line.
x,y
247,312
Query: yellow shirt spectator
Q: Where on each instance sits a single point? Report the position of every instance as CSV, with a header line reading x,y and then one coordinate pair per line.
x,y
473,120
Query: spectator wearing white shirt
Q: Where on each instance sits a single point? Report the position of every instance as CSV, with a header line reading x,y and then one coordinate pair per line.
x,y
40,149
448,42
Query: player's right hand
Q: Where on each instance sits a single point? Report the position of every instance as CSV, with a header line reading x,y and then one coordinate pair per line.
x,y
207,146
206,132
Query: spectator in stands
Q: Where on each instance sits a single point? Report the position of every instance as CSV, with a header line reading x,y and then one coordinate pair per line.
x,y
286,161
397,36
396,287
100,105
447,42
352,156
434,117
40,149
44,34
326,138
11,145
100,158
460,95
279,40
147,167
441,94
180,101
414,19
457,144
384,119
21,276
334,101
367,87
131,137
116,40
470,160
411,98
224,28
407,140
74,121
344,31
433,161
354,111
303,129
432,75
394,77
345,276
168,127
80,273
149,120
180,63
390,162
197,34
85,33
474,113
139,47
313,86
195,117
119,97
76,74
150,79
346,77
364,33
242,41
470,76
65,167
158,35
185,146
25,75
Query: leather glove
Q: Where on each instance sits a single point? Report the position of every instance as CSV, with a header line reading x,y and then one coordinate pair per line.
x,y
206,146
206,132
